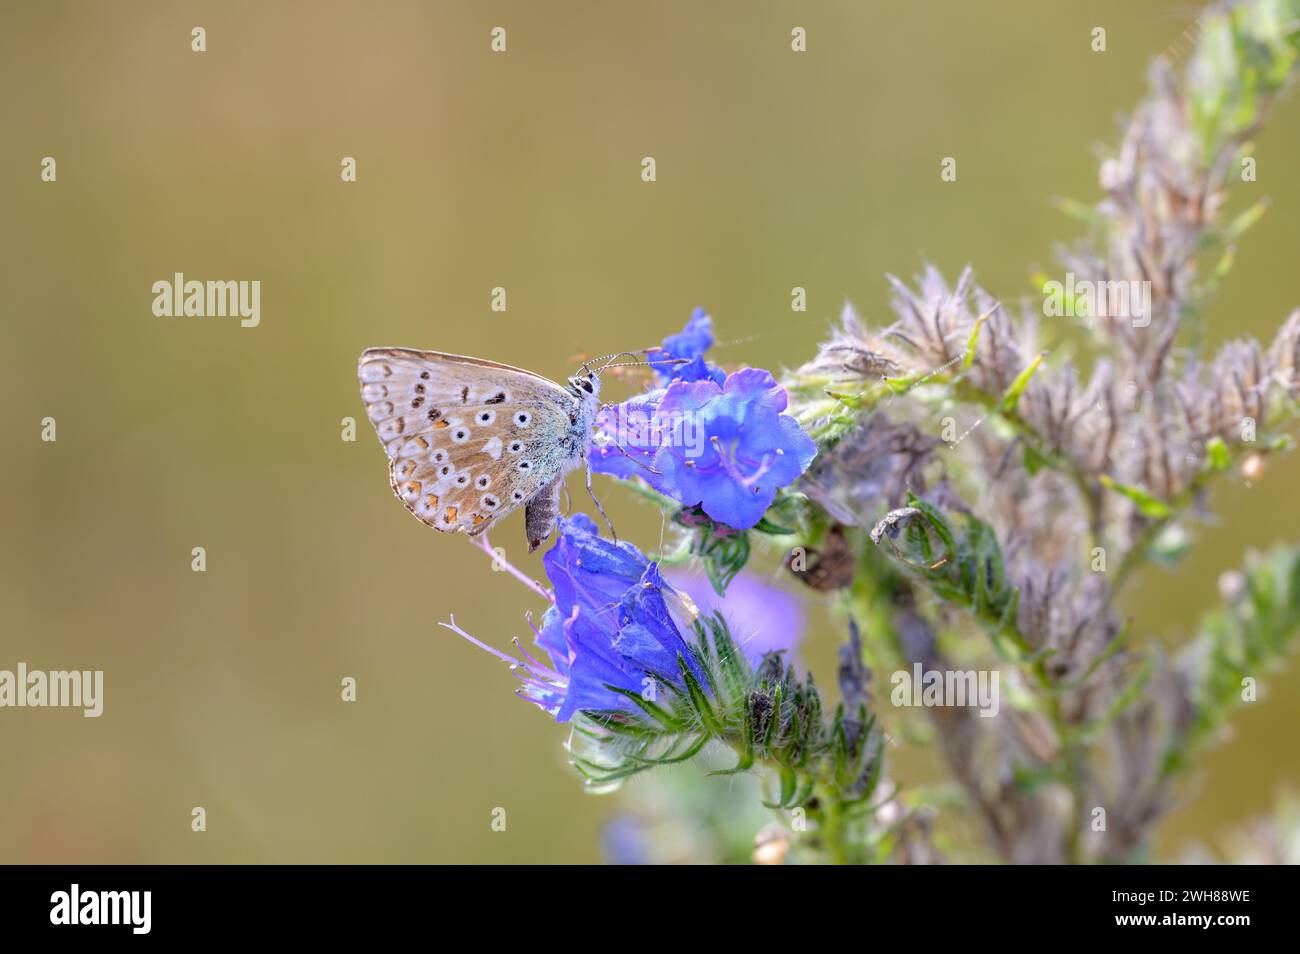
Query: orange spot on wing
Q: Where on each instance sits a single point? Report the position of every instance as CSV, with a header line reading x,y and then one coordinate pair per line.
x,y
441,424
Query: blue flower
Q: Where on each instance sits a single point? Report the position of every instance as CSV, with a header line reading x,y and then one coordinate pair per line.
x,y
727,446
615,623
689,343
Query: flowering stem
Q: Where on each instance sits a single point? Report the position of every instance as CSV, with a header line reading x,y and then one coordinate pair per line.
x,y
499,561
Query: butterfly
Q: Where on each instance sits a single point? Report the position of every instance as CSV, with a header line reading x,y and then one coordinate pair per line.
x,y
470,441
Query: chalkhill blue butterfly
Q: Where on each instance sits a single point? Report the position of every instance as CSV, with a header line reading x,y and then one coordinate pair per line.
x,y
469,441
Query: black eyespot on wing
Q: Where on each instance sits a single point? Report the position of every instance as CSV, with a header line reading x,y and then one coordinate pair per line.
x,y
497,398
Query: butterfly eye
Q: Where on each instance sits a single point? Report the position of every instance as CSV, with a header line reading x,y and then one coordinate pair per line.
x,y
586,386
486,417
523,418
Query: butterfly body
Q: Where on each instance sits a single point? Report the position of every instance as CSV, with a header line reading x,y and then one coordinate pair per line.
x,y
469,441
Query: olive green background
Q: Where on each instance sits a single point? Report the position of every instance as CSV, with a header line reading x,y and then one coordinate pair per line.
x,y
521,170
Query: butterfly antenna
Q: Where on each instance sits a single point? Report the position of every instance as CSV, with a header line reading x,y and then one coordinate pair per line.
x,y
586,365
647,364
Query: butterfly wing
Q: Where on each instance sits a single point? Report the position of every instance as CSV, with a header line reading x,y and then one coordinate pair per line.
x,y
468,440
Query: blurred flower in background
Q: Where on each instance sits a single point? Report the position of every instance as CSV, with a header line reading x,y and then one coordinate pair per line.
x,y
763,617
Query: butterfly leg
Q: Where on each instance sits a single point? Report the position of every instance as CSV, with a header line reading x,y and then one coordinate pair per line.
x,y
596,500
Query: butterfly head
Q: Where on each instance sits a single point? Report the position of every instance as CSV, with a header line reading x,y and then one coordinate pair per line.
x,y
585,386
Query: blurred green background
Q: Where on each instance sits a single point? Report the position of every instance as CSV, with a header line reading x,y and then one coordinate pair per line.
x,y
475,170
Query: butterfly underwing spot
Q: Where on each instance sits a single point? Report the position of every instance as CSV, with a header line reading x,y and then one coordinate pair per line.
x,y
523,418
370,393
406,468
499,398
449,516
486,417
515,447
460,435
439,456
489,502
483,482
409,490
380,410
414,447
492,448
391,428
462,479
417,402
424,375
524,465
464,395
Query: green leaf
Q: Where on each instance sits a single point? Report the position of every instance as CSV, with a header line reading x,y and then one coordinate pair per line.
x,y
1012,397
1147,505
1034,461
1217,453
